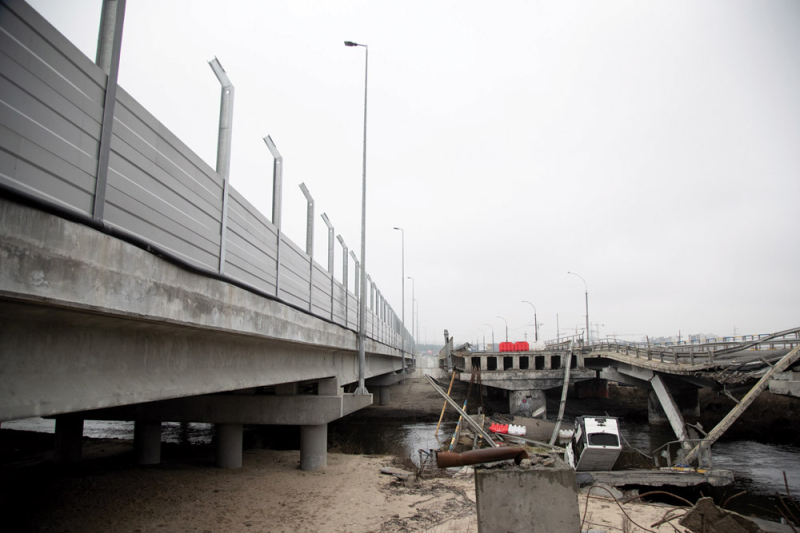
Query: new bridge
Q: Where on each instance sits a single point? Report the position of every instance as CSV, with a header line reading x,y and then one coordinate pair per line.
x,y
137,284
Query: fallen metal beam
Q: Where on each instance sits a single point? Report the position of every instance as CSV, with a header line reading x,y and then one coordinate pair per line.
x,y
474,457
744,403
460,411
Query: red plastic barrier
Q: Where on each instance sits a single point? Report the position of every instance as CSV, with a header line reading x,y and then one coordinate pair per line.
x,y
522,346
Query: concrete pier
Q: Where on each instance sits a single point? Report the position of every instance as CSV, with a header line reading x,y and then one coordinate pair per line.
x,y
383,396
313,447
229,445
68,440
147,442
687,401
525,402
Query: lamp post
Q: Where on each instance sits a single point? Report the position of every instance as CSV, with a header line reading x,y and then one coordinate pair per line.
x,y
535,321
586,287
403,285
362,308
506,321
493,348
484,339
413,329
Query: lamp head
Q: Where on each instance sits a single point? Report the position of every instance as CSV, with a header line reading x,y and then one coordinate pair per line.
x,y
350,43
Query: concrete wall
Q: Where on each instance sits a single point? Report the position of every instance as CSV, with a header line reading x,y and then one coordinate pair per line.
x,y
535,500
429,366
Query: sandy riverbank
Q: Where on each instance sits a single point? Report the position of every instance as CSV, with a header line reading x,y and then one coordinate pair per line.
x,y
108,492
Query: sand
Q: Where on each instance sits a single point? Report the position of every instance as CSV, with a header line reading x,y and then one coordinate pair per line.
x,y
108,492
269,493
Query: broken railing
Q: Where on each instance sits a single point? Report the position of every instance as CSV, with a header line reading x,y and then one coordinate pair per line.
x,y
666,453
694,353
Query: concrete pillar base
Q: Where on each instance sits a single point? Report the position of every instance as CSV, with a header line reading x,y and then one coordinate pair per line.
x,y
69,440
147,442
383,396
229,445
314,447
524,403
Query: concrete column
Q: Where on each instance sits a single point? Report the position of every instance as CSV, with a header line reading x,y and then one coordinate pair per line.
x,y
687,401
229,445
69,440
655,414
314,447
524,403
147,442
383,395
329,387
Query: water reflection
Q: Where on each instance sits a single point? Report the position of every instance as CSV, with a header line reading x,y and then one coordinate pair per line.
x,y
759,467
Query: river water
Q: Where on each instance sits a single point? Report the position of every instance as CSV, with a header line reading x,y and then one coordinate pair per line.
x,y
758,467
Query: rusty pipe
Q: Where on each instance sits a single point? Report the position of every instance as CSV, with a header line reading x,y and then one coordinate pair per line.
x,y
485,455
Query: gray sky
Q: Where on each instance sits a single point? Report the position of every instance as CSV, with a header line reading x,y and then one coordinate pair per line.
x,y
653,147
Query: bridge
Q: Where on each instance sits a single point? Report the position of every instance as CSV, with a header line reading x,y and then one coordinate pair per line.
x,y
672,374
137,284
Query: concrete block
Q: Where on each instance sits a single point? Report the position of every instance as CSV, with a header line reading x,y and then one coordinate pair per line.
x,y
524,403
535,500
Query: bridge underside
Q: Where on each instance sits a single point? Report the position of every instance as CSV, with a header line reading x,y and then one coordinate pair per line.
x,y
92,323
88,321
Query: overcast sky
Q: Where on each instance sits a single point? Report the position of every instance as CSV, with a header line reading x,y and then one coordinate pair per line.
x,y
653,147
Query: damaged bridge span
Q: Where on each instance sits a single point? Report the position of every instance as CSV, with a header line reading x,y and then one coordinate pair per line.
x,y
673,375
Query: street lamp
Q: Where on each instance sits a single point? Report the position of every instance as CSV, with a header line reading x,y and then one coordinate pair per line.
x,y
535,321
403,282
493,347
484,339
362,308
413,334
506,321
586,287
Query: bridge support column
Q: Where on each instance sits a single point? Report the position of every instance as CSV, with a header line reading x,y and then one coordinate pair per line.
x,y
147,442
229,445
687,401
69,440
383,395
525,402
314,447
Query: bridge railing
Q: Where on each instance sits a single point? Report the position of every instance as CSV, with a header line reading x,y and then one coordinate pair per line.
x,y
696,353
158,192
